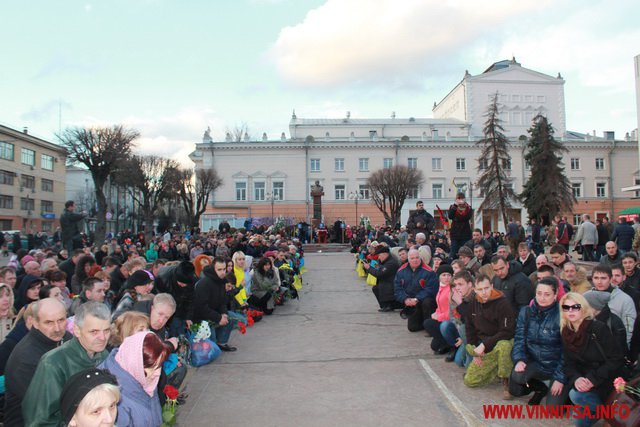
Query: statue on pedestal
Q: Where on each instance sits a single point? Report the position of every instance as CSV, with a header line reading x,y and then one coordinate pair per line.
x,y
317,191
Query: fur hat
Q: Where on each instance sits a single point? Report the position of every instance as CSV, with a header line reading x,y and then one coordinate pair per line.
x,y
138,278
465,251
185,273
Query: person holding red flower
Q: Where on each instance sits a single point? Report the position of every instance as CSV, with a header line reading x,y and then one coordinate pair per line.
x,y
416,286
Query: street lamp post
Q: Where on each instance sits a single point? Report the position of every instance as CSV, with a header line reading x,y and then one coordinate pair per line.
x,y
272,197
355,196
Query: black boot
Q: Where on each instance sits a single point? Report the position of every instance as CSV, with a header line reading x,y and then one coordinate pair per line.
x,y
452,355
539,389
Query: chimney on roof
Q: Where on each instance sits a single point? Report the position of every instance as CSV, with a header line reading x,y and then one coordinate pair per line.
x,y
25,130
609,135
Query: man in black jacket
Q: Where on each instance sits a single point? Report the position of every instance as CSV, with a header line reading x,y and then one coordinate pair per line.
x,y
510,280
420,221
210,301
47,333
385,271
70,224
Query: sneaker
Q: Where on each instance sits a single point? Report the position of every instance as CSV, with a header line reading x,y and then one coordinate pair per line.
x,y
451,356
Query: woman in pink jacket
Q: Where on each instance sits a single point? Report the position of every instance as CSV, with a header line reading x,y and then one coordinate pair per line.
x,y
432,326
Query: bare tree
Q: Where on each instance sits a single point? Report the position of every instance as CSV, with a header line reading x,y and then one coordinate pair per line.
x,y
195,193
101,150
494,182
150,180
240,132
390,187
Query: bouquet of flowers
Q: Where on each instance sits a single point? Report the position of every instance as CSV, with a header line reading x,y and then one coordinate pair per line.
x,y
169,408
621,387
201,330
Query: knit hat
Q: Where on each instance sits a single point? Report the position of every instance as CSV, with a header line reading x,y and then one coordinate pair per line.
x,y
185,273
138,278
444,268
78,386
25,259
597,299
441,246
442,257
465,251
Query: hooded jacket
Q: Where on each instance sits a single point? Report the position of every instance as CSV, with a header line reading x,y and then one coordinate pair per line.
x,y
136,407
516,287
538,339
210,297
167,281
490,322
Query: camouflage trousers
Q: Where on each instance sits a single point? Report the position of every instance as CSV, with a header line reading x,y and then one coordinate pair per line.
x,y
495,363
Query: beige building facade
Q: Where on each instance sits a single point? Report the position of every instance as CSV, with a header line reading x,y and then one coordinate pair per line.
x,y
32,182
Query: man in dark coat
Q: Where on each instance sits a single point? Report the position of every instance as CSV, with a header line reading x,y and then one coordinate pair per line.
x,y
416,287
623,235
510,280
70,225
69,266
47,333
178,280
420,221
460,214
385,271
210,301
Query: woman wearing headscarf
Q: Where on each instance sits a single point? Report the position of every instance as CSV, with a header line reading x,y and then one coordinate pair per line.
x,y
137,365
7,313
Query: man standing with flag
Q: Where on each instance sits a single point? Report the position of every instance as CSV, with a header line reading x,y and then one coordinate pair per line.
x,y
460,215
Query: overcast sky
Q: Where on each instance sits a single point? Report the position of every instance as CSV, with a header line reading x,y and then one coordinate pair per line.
x,y
170,69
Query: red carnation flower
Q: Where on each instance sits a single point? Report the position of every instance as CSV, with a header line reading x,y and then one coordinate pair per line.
x,y
171,392
250,321
422,283
242,327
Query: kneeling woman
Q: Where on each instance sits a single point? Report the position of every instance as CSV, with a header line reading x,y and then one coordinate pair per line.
x,y
591,354
537,349
137,364
265,280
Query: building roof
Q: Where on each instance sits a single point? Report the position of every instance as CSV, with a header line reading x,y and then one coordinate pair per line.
x,y
368,122
25,136
506,63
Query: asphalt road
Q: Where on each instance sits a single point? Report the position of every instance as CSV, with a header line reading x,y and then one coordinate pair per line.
x,y
332,359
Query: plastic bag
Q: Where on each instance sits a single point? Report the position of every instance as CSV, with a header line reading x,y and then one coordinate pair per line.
x,y
203,352
371,280
360,270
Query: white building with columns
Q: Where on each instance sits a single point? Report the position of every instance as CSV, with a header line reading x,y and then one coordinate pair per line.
x,y
270,178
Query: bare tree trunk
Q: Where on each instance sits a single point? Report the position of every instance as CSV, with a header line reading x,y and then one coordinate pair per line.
x,y
101,216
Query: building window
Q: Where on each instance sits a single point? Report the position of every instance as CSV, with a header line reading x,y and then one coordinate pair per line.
x,y
506,164
577,218
27,204
339,191
637,182
241,191
46,162
576,188
483,164
6,177
601,189
599,164
339,165
47,185
28,157
259,190
461,164
6,202
436,164
46,206
387,163
412,162
527,165
575,164
27,181
6,150
541,99
315,165
414,193
436,191
363,165
363,189
278,190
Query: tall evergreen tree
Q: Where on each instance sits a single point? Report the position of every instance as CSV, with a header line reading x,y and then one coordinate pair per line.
x,y
548,190
493,161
